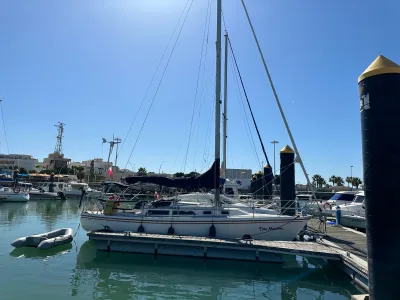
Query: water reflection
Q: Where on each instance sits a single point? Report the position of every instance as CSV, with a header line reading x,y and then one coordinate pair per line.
x,y
49,211
35,253
12,212
186,278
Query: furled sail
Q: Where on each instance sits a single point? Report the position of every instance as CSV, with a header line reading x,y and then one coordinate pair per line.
x,y
208,180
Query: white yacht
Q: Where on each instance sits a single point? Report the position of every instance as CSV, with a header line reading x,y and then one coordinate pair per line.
x,y
207,199
340,198
8,194
353,214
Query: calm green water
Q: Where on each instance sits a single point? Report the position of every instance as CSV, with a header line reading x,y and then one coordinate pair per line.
x,y
77,271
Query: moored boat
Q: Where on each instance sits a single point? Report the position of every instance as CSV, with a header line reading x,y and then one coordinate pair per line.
x,y
8,194
45,240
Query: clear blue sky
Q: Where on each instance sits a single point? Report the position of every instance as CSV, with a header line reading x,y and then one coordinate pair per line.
x,y
88,64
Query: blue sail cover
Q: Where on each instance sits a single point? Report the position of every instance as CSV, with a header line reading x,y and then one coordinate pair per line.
x,y
208,180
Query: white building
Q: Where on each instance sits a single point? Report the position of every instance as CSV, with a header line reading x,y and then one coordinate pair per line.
x,y
11,161
100,166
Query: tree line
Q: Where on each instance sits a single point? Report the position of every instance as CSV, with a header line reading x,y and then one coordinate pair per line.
x,y
319,181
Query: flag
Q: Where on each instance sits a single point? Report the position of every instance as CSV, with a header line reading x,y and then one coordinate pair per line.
x,y
109,171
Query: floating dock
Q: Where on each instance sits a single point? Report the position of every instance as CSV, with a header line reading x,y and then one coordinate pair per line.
x,y
337,248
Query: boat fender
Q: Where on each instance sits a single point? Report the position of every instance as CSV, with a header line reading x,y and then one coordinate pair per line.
x,y
61,195
140,229
327,204
171,230
213,231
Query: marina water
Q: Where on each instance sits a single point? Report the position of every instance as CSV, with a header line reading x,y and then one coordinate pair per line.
x,y
78,271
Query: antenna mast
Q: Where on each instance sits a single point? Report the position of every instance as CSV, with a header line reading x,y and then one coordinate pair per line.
x,y
60,129
113,142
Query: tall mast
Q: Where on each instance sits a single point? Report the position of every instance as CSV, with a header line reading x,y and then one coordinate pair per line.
x,y
225,114
218,99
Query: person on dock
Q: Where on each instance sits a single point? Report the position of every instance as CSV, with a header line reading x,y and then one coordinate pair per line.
x,y
15,177
51,185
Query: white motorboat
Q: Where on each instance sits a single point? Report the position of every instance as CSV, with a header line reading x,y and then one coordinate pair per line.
x,y
74,190
353,221
340,198
8,194
207,199
353,214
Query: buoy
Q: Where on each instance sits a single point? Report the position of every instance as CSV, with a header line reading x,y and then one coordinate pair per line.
x,y
140,229
171,230
213,231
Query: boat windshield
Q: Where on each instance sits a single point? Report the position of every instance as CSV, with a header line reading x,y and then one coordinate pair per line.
x,y
359,199
343,197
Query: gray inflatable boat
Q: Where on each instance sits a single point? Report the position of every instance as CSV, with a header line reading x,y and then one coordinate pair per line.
x,y
46,240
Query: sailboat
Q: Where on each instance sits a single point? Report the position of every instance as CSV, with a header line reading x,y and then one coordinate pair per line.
x,y
197,220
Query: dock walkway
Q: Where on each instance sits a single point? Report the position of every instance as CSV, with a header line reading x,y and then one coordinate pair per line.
x,y
349,240
341,246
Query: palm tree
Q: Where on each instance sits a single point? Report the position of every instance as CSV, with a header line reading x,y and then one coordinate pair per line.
x,y
339,181
349,180
315,179
142,171
318,180
322,182
332,179
277,179
356,182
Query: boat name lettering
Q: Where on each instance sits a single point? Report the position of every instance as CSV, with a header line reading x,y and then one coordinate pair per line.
x,y
270,228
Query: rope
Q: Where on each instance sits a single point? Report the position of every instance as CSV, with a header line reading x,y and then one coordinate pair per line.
x,y
159,84
278,103
154,75
4,126
197,86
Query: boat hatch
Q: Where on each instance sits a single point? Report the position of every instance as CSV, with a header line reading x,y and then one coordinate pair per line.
x,y
158,213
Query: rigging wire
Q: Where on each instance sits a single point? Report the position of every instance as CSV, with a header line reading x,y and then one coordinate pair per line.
x,y
159,84
208,137
279,104
197,85
4,125
245,119
248,103
202,86
154,75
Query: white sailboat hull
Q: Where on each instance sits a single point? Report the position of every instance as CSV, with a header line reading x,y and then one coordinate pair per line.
x,y
267,228
14,197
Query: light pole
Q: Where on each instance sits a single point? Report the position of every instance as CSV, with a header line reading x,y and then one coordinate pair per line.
x,y
351,175
159,169
274,142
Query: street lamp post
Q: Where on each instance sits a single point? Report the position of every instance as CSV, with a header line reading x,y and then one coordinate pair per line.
x,y
159,169
351,175
274,142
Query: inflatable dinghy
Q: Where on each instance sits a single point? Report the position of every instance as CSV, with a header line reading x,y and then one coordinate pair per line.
x,y
46,240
